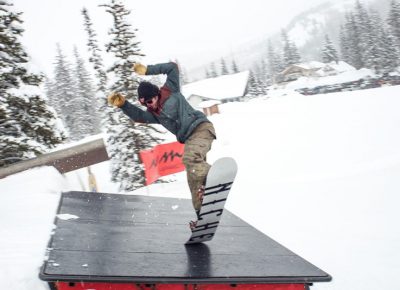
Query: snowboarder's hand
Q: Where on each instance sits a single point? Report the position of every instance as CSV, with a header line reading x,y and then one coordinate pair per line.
x,y
139,68
116,99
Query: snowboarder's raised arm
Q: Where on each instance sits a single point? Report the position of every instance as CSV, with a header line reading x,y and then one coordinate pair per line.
x,y
170,69
133,112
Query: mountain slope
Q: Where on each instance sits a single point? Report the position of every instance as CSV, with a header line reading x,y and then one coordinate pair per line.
x,y
307,30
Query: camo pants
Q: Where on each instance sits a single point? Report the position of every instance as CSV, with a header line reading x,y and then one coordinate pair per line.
x,y
195,156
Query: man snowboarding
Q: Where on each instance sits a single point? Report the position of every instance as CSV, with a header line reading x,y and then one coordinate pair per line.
x,y
168,107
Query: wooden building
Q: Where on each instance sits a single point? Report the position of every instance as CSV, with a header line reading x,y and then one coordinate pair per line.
x,y
226,88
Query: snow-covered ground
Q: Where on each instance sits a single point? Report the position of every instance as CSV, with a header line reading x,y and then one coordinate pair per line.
x,y
320,174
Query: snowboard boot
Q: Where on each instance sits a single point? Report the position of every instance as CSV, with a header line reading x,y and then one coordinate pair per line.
x,y
200,193
193,224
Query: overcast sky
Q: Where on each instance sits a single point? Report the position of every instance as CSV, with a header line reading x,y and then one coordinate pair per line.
x,y
194,32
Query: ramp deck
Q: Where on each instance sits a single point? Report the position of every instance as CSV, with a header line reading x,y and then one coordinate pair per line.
x,y
141,239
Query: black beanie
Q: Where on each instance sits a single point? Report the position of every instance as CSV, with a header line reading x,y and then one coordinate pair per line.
x,y
147,90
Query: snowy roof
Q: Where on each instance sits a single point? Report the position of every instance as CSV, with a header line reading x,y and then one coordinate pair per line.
x,y
342,77
208,104
341,66
219,88
311,65
320,68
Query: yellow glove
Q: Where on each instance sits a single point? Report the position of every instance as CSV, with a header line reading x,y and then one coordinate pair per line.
x,y
140,69
116,99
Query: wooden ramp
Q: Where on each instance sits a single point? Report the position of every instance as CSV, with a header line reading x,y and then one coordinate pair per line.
x,y
107,239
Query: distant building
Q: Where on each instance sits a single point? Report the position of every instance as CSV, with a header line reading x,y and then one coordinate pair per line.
x,y
311,69
210,107
226,88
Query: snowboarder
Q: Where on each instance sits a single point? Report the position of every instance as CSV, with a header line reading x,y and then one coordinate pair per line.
x,y
168,107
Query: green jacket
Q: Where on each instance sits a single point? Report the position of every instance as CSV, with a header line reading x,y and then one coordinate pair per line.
x,y
173,112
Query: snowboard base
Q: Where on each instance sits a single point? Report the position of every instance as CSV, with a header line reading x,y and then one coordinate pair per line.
x,y
219,182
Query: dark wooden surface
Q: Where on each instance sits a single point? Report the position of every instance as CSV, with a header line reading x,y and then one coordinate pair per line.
x,y
128,238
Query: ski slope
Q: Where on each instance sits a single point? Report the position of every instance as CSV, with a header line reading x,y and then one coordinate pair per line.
x,y
320,174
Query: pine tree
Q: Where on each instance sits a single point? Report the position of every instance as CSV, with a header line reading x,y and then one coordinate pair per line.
x,y
64,92
344,44
50,92
213,70
258,82
365,42
126,139
182,74
234,67
387,56
97,62
224,69
185,76
274,65
87,113
393,20
351,39
207,73
28,126
290,52
369,47
380,56
252,89
262,76
391,52
329,52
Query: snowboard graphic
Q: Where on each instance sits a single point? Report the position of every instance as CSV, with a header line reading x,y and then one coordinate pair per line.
x,y
219,182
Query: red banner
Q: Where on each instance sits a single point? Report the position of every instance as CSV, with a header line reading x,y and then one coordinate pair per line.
x,y
163,159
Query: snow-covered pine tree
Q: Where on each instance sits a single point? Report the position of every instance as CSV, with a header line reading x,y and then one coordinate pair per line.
x,y
369,40
393,20
213,70
344,45
185,76
49,88
329,52
13,143
98,65
182,74
125,138
391,53
224,68
207,73
252,89
28,126
351,39
258,80
87,114
381,54
290,52
64,92
263,77
234,67
274,65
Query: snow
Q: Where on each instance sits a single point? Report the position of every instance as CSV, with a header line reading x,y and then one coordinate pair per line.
x,y
67,217
342,77
319,174
218,88
341,66
208,104
311,65
24,91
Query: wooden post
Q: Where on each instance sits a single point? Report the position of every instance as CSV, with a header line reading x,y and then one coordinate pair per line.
x,y
65,160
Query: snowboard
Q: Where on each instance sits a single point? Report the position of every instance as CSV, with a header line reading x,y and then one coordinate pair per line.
x,y
218,184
